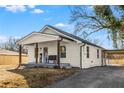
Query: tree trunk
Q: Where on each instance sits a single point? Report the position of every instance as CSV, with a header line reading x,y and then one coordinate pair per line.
x,y
114,38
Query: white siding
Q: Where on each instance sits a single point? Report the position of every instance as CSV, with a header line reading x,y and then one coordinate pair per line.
x,y
52,47
72,51
48,31
92,60
31,53
72,54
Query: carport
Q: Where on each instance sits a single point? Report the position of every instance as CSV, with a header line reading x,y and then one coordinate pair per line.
x,y
114,57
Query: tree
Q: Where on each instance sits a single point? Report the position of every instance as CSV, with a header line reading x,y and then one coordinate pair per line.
x,y
10,44
100,18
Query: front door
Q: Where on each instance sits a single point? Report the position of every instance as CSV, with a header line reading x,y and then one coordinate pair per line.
x,y
45,56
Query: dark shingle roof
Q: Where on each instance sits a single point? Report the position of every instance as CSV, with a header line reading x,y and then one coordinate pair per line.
x,y
73,36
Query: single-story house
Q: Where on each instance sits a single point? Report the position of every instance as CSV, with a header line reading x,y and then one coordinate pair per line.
x,y
52,45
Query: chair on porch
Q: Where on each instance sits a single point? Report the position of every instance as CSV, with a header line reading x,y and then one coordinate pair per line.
x,y
52,58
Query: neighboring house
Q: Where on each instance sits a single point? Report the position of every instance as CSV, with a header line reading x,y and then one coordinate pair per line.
x,y
61,47
8,57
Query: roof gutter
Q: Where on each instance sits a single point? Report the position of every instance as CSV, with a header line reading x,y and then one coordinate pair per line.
x,y
81,54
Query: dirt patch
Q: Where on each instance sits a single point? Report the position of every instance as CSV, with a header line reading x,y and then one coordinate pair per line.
x,y
34,77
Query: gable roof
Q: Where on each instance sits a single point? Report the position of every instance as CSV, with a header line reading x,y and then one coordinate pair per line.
x,y
72,36
36,33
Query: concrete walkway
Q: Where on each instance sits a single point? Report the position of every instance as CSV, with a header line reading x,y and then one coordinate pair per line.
x,y
97,77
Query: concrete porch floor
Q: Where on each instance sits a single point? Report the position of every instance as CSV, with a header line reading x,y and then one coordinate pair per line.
x,y
48,65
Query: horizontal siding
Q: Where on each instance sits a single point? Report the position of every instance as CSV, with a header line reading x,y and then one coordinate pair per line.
x,y
72,54
92,61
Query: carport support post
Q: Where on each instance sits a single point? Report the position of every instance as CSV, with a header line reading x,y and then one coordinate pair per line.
x,y
20,55
103,57
108,58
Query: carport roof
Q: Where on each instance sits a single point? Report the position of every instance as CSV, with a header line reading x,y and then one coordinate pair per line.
x,y
115,51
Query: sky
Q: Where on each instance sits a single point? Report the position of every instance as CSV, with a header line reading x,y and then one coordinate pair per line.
x,y
18,21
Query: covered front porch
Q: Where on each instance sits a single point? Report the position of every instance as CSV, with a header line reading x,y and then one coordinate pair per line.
x,y
43,50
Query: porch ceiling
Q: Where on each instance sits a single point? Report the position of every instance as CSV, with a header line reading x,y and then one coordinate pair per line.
x,y
36,37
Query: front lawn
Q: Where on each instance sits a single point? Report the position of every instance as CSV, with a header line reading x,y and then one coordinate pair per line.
x,y
33,77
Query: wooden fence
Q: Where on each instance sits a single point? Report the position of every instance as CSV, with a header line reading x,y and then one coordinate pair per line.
x,y
12,59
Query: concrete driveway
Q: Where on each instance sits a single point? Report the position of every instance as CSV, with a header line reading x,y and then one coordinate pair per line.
x,y
97,77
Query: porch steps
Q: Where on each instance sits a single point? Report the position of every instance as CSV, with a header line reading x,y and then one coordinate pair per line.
x,y
49,65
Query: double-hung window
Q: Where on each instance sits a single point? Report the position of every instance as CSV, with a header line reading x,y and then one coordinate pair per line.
x,y
62,51
97,53
88,55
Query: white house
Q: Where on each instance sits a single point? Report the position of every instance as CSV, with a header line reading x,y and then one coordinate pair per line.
x,y
52,45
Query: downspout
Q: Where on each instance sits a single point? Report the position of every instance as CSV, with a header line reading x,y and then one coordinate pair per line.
x,y
81,55
58,50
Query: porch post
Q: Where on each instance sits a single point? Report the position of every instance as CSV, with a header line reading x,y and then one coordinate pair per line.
x,y
36,53
20,55
58,53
